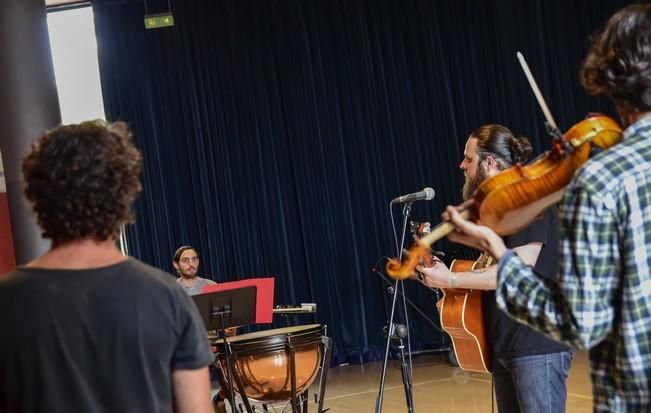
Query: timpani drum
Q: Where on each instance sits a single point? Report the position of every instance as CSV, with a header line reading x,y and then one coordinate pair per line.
x,y
261,361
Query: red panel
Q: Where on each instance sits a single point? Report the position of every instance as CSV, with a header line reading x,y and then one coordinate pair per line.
x,y
7,252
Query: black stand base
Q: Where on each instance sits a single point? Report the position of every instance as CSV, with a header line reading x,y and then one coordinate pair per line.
x,y
406,378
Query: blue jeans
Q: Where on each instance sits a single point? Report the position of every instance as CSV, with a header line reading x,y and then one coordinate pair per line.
x,y
532,384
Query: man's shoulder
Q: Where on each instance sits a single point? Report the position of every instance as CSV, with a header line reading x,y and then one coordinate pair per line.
x,y
148,273
607,170
11,278
200,280
128,278
206,281
132,272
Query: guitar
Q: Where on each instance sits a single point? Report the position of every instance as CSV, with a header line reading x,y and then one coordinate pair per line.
x,y
461,312
462,318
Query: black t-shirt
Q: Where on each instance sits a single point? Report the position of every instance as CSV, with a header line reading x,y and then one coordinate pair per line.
x,y
100,340
507,336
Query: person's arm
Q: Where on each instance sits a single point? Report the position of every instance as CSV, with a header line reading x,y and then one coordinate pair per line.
x,y
578,309
191,391
191,357
439,276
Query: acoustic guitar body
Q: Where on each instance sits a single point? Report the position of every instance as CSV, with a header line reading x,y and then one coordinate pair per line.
x,y
462,318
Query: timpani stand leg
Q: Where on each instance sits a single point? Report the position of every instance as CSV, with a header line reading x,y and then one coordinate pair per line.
x,y
219,314
305,398
245,399
327,350
296,407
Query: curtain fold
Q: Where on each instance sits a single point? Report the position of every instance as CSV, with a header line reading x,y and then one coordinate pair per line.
x,y
275,132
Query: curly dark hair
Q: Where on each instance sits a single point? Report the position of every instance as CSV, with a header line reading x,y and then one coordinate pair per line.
x,y
618,61
500,143
82,180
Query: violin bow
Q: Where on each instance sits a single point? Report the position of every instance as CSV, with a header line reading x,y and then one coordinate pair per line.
x,y
554,131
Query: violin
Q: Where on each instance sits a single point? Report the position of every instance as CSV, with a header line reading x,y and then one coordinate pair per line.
x,y
511,199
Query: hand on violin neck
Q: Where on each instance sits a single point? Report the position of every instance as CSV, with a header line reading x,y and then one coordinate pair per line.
x,y
476,236
445,216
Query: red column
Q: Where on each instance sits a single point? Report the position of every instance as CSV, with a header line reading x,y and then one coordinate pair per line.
x,y
7,252
28,105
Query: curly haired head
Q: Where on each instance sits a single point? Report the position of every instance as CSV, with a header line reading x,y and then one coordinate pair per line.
x,y
82,180
619,61
499,142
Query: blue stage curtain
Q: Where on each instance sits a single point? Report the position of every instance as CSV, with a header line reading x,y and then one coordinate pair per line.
x,y
275,132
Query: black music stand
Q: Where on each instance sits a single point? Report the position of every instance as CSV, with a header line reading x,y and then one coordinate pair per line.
x,y
224,309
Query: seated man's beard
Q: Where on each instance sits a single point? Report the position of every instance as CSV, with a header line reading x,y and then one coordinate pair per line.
x,y
185,275
471,184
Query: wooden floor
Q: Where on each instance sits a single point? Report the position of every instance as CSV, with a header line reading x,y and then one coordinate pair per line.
x,y
438,387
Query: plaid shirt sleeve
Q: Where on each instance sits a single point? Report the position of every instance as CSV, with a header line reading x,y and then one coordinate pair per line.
x,y
578,309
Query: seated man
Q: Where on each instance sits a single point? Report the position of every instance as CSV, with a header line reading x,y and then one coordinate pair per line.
x,y
186,263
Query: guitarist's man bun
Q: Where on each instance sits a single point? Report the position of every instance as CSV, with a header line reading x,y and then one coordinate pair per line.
x,y
499,142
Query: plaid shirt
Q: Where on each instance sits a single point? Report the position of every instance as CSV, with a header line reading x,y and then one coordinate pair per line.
x,y
602,300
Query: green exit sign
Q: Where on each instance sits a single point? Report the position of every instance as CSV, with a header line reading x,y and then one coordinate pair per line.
x,y
156,21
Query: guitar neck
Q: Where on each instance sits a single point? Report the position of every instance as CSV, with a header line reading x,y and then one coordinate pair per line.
x,y
441,230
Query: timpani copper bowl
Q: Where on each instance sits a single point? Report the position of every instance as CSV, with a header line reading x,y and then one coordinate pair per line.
x,y
262,361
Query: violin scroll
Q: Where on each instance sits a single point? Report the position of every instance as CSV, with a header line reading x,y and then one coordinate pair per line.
x,y
421,252
418,254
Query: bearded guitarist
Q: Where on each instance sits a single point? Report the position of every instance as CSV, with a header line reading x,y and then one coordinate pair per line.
x,y
529,370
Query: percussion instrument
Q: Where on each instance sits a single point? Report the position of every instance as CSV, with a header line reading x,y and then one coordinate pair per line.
x,y
275,365
303,308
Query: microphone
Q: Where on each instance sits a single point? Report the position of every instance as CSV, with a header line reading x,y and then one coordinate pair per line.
x,y
426,194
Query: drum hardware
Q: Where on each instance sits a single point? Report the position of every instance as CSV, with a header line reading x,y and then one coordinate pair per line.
x,y
303,308
219,312
292,369
277,365
327,346
286,310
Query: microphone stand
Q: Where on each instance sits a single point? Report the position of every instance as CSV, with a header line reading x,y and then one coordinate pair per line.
x,y
401,333
412,305
406,377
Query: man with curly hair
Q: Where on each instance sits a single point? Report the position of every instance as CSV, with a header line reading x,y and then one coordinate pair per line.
x,y
602,301
84,328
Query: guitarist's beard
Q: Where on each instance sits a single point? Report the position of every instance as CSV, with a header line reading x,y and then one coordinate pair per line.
x,y
471,184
